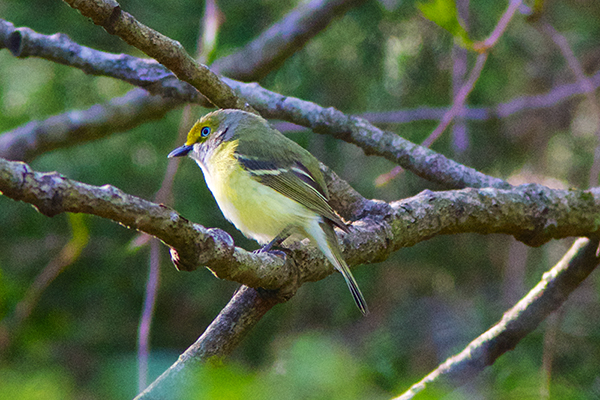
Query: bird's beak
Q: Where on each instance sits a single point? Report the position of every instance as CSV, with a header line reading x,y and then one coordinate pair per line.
x,y
180,151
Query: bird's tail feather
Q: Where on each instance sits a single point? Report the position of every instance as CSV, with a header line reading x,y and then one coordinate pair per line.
x,y
334,255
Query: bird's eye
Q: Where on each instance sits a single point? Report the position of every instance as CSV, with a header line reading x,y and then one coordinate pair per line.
x,y
205,131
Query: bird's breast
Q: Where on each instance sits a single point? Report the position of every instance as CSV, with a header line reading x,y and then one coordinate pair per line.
x,y
258,211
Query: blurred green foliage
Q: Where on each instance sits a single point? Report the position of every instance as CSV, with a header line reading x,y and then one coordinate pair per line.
x,y
445,14
427,302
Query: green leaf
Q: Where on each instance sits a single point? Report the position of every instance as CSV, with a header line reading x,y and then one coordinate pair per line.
x,y
444,14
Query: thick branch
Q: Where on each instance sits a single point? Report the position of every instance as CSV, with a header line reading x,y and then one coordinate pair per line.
x,y
532,213
169,52
196,245
546,297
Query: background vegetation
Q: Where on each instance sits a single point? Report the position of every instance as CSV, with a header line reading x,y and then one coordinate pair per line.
x,y
427,302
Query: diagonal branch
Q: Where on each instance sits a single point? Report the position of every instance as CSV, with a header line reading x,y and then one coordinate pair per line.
x,y
168,52
586,85
24,42
374,141
268,51
221,337
459,100
545,298
420,160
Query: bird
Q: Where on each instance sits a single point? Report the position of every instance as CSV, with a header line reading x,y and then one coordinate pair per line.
x,y
268,186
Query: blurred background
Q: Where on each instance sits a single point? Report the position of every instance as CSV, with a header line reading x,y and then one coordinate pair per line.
x,y
76,339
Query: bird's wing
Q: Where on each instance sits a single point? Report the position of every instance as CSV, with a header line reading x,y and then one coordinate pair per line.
x,y
274,167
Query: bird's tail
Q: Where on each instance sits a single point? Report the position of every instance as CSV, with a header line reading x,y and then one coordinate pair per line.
x,y
332,251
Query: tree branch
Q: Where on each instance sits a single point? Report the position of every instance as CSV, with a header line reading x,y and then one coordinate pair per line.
x,y
169,52
546,297
268,51
586,86
221,337
52,194
533,214
420,160
374,141
79,126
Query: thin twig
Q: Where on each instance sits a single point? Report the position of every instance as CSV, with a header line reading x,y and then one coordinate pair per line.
x,y
513,6
67,256
460,136
586,86
552,329
459,99
152,284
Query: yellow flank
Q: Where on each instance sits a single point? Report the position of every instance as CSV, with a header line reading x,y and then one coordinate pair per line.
x,y
258,211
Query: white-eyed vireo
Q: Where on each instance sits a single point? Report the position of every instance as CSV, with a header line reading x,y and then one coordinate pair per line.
x,y
265,184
